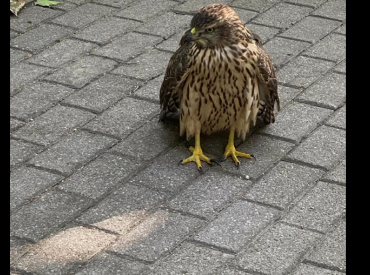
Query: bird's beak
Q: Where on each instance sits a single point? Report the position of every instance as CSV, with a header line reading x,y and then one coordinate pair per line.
x,y
192,31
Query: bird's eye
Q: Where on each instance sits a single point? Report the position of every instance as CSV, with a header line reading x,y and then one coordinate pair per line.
x,y
209,30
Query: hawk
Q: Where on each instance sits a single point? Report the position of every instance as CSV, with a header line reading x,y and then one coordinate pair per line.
x,y
219,78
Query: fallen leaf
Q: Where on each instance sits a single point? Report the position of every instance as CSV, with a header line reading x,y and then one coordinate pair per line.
x,y
46,3
16,5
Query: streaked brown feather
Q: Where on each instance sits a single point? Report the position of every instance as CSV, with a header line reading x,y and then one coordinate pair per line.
x,y
268,87
176,68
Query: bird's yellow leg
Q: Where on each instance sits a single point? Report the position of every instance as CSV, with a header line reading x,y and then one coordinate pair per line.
x,y
231,151
197,154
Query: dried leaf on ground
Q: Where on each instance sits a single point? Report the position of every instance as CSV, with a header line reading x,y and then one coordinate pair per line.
x,y
16,5
46,3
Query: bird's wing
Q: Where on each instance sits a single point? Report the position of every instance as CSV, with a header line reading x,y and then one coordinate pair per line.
x,y
170,92
256,38
267,85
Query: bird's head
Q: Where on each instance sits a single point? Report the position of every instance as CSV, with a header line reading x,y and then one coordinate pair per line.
x,y
215,26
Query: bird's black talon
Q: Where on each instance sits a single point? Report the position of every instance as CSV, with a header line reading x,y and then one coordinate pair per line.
x,y
216,161
253,157
237,165
200,169
223,158
179,163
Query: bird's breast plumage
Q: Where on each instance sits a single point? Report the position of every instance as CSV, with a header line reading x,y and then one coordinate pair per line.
x,y
218,91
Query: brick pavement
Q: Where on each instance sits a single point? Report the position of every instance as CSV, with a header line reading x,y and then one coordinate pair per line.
x,y
95,186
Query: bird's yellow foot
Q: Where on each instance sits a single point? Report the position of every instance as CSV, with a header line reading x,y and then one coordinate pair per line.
x,y
198,155
231,151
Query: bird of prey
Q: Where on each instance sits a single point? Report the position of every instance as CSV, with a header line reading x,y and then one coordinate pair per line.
x,y
219,78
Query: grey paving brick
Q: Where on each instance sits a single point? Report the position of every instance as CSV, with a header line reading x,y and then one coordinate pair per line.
x,y
102,93
114,3
328,92
13,34
156,235
276,250
31,16
50,126
83,15
286,94
61,53
208,193
296,121
124,117
22,73
18,55
15,124
231,271
245,15
312,3
257,5
18,247
36,98
341,67
266,150
323,148
79,2
172,43
165,173
106,264
264,32
311,29
237,225
332,250
100,175
151,89
82,71
145,66
107,28
128,46
338,174
338,119
306,269
194,5
122,209
303,71
281,50
191,260
41,37
140,143
73,151
66,250
21,151
332,47
215,143
333,9
320,207
67,5
283,184
282,15
342,28
166,24
139,9
45,214
25,182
